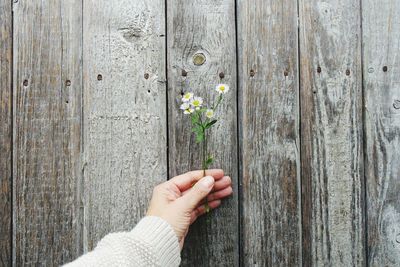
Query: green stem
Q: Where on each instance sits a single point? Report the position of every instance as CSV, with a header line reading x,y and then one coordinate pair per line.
x,y
204,164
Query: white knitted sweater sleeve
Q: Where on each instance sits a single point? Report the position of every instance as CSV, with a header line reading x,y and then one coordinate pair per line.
x,y
152,242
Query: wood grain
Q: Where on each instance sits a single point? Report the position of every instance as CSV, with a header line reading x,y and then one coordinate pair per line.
x,y
381,38
269,108
204,30
331,133
47,115
5,132
124,112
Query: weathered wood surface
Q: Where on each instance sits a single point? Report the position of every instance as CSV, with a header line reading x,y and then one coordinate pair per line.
x,y
270,156
331,133
204,29
5,132
85,113
125,152
47,124
381,33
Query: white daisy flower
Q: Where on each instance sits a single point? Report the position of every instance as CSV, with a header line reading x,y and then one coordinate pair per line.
x,y
187,97
188,111
196,102
209,113
222,88
184,106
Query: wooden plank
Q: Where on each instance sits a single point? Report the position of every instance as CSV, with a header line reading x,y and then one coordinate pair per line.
x,y
203,29
331,133
47,114
5,132
124,112
269,108
381,57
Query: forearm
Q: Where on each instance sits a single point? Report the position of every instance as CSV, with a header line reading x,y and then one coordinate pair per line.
x,y
152,242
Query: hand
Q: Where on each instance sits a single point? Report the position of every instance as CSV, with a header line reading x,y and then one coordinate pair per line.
x,y
178,203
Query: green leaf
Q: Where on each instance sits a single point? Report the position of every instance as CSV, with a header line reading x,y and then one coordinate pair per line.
x,y
197,129
199,138
211,123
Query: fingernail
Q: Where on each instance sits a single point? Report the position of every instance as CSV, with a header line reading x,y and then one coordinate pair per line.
x,y
208,181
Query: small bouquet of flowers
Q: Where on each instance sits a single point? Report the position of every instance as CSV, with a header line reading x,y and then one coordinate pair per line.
x,y
203,118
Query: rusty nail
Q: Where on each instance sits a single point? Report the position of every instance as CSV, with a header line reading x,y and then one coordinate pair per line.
x,y
184,73
286,73
146,76
99,77
252,73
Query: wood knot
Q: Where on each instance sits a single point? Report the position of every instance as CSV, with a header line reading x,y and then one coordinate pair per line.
x,y
67,83
146,76
99,77
199,59
396,104
184,73
319,69
385,68
221,75
25,82
347,72
252,73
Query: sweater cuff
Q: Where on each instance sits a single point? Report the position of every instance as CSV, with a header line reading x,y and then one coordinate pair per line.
x,y
161,236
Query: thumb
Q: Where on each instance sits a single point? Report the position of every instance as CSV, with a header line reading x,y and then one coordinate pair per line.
x,y
198,192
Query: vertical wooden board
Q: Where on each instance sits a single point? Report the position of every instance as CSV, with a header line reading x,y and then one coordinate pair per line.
x,y
124,112
47,113
269,139
204,29
5,132
381,57
331,133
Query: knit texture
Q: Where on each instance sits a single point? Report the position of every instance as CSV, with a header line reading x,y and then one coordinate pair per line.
x,y
152,242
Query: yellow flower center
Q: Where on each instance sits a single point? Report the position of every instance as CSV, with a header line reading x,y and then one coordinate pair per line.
x,y
196,103
222,88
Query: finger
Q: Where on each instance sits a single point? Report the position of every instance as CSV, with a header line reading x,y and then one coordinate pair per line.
x,y
185,181
202,209
199,191
218,195
222,183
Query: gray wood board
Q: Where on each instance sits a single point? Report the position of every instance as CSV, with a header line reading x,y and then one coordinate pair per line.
x,y
331,133
47,114
197,29
381,38
125,152
5,132
269,139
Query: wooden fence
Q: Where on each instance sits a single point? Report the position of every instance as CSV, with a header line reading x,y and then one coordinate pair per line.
x,y
310,132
